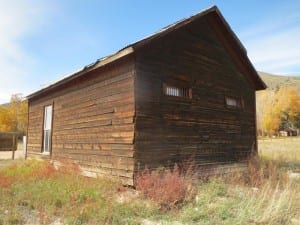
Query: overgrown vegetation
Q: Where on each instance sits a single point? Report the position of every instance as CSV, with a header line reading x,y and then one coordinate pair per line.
x,y
35,188
169,188
263,194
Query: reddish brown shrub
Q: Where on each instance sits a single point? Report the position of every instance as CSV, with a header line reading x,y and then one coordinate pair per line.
x,y
46,170
259,171
5,182
167,187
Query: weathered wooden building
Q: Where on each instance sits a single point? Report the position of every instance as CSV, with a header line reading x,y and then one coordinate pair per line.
x,y
187,91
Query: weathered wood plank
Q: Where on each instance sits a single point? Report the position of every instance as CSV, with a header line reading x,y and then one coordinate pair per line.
x,y
93,122
170,129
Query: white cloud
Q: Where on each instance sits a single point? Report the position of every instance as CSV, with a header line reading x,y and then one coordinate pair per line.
x,y
273,45
18,18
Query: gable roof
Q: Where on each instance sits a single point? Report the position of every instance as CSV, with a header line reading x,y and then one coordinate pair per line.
x,y
217,21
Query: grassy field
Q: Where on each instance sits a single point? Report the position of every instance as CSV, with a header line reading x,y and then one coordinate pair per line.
x,y
33,192
284,149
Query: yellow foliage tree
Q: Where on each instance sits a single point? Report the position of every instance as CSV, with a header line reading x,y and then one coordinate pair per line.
x,y
288,104
274,109
13,117
264,102
271,116
6,119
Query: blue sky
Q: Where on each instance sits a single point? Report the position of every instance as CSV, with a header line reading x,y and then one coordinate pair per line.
x,y
41,41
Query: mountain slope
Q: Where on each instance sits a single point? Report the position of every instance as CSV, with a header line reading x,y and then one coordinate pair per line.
x,y
274,82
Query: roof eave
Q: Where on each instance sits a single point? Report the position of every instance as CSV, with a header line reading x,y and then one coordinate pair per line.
x,y
99,63
255,78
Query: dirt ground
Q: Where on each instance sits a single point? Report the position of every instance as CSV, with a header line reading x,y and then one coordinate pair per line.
x,y
8,154
18,154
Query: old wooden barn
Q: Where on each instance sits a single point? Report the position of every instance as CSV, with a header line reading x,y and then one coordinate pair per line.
x,y
186,92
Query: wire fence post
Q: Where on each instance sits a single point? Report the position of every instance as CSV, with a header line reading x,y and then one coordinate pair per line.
x,y
13,146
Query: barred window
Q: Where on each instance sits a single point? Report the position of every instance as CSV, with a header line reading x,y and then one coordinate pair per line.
x,y
234,102
177,91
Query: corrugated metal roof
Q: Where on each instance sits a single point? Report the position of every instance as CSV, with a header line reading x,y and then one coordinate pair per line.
x,y
131,48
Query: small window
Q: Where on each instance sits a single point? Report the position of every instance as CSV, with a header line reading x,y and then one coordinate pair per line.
x,y
47,129
234,102
177,91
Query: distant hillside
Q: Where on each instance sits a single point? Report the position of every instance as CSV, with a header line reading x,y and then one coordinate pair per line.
x,y
4,105
276,81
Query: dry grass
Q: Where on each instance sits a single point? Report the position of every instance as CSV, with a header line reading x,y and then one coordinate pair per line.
x,y
280,149
264,194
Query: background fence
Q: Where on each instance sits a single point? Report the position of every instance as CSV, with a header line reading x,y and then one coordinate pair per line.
x,y
8,141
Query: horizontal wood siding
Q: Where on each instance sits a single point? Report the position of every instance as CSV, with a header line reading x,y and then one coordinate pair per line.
x,y
93,121
202,129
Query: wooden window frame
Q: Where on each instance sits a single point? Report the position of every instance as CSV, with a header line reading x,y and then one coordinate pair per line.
x,y
184,91
44,152
239,100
